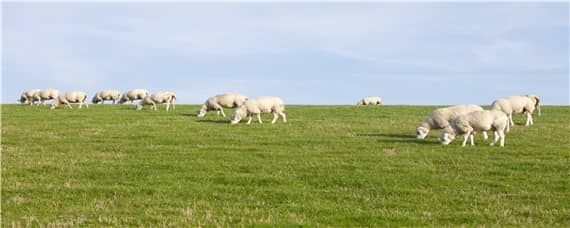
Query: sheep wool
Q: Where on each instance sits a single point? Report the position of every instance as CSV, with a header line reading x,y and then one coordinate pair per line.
x,y
221,101
258,106
472,122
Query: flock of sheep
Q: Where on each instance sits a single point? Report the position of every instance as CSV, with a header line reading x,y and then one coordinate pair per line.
x,y
244,107
467,119
455,120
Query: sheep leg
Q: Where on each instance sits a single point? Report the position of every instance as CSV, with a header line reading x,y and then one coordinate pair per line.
x,y
275,116
68,105
472,140
528,119
502,135
495,139
259,118
167,106
249,119
222,111
465,137
283,116
485,136
80,105
511,119
154,106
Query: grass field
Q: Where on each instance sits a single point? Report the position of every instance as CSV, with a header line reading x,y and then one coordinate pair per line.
x,y
329,165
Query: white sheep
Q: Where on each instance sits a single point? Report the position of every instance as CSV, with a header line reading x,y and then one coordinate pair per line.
x,y
441,117
536,100
220,101
106,95
132,95
71,97
167,98
515,105
45,94
370,101
27,97
258,106
472,122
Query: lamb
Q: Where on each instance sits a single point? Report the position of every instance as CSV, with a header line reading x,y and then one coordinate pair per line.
x,y
158,98
514,105
441,117
371,101
106,95
258,106
469,123
132,95
536,100
27,97
45,94
220,101
71,97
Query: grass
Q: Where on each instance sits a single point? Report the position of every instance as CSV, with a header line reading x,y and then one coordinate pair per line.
x,y
328,166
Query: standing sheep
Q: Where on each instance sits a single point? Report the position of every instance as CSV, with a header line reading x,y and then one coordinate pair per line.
x,y
45,94
27,97
258,106
106,95
471,122
514,105
218,102
132,95
371,101
441,117
158,98
70,97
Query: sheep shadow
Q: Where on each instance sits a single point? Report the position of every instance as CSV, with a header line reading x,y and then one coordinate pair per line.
x,y
188,114
214,121
397,138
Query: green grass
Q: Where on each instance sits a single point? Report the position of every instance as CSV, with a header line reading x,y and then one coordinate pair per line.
x,y
329,165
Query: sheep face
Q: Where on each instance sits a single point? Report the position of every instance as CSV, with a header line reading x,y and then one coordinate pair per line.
x,y
139,107
238,115
24,100
447,135
421,132
200,113
94,100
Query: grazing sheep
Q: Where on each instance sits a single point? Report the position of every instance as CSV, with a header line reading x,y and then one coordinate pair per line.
x,y
158,98
257,106
27,97
371,101
469,123
45,94
514,105
106,95
71,97
441,117
132,95
536,100
218,102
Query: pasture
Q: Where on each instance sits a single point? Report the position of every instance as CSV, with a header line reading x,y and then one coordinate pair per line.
x,y
110,165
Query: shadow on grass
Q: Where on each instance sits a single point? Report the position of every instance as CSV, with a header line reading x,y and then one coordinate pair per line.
x,y
188,114
398,138
215,121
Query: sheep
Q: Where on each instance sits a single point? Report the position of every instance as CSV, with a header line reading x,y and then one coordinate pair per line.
x,y
45,94
27,97
514,105
71,97
371,101
441,117
105,95
258,106
469,123
536,100
132,95
167,98
220,101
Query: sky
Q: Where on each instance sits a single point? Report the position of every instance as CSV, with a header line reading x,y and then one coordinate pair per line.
x,y
423,53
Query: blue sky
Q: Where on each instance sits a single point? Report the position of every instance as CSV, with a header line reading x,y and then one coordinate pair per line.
x,y
306,53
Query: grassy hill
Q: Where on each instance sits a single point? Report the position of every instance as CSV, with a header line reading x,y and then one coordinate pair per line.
x,y
329,165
